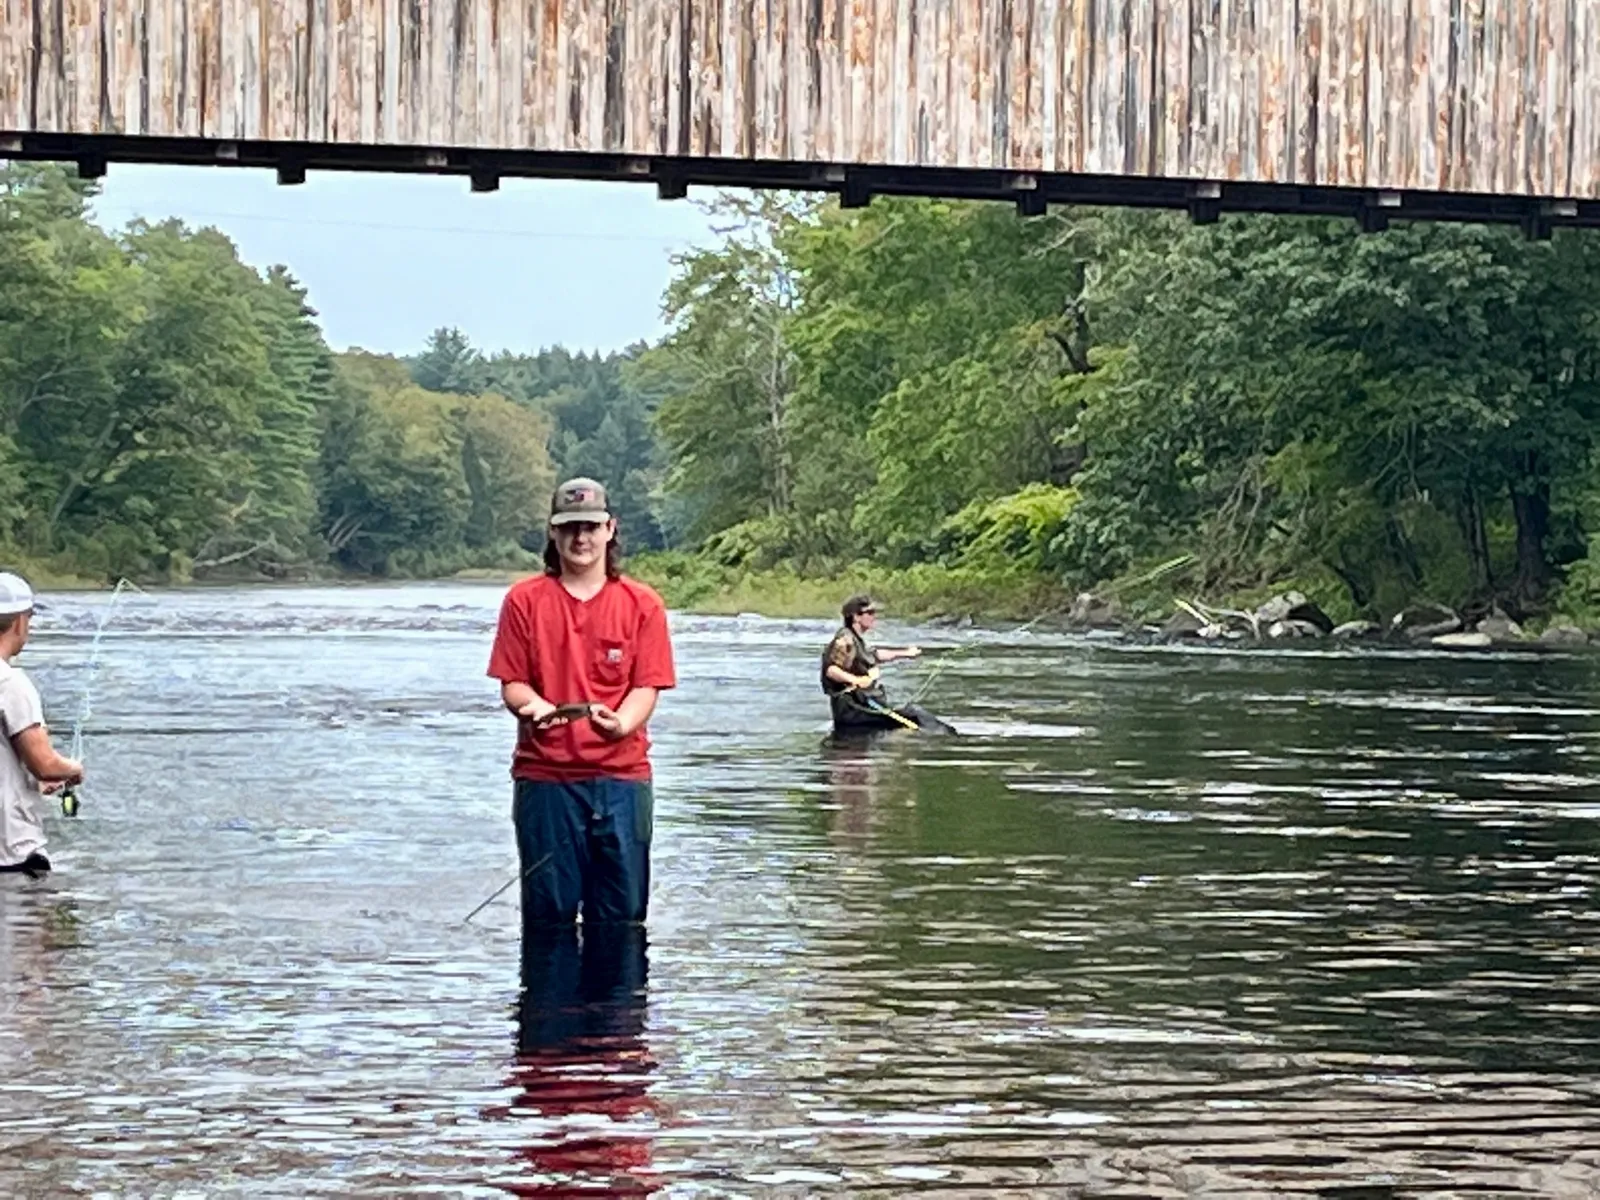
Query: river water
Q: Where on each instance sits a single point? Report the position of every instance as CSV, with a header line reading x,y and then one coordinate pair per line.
x,y
1161,923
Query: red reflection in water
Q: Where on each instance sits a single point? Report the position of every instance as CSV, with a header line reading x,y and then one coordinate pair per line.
x,y
583,1068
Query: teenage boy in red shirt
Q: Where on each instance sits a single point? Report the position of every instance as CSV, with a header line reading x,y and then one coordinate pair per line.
x,y
581,653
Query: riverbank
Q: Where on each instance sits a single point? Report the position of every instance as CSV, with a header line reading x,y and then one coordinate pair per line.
x,y
1153,605
689,583
1149,605
48,576
695,584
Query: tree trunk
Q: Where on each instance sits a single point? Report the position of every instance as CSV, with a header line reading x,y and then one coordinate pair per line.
x,y
1475,531
1073,337
1360,591
776,386
1532,508
1405,553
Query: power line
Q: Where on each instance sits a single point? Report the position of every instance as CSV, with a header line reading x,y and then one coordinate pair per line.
x,y
469,231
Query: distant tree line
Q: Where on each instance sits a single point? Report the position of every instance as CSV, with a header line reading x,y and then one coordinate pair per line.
x,y
1081,398
1091,396
169,413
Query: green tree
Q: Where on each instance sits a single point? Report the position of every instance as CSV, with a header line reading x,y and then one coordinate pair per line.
x,y
449,364
1377,405
942,351
507,468
420,481
273,506
393,485
725,374
598,425
68,301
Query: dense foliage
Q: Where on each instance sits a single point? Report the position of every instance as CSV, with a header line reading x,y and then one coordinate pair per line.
x,y
919,390
598,425
167,413
1375,418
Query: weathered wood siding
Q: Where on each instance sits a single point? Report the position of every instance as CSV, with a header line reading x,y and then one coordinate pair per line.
x,y
1499,96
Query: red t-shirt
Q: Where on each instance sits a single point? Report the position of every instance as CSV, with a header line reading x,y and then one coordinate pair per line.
x,y
570,651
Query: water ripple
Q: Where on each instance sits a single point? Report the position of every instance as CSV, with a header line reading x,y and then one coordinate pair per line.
x,y
1163,923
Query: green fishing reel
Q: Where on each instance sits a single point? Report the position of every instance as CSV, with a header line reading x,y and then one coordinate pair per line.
x,y
69,801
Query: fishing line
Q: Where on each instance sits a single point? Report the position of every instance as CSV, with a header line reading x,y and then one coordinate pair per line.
x,y
508,883
69,794
944,661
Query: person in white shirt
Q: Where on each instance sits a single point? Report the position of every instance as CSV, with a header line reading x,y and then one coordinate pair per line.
x,y
29,764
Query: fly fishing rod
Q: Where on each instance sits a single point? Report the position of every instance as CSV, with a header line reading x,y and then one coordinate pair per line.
x,y
560,714
884,710
501,889
70,803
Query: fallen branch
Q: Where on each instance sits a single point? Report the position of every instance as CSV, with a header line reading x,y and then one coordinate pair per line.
x,y
1213,618
206,564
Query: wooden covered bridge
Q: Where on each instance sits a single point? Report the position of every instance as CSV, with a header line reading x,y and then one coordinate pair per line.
x,y
1377,109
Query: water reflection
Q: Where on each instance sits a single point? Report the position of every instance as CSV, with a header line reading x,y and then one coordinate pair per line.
x,y
583,1068
866,781
36,927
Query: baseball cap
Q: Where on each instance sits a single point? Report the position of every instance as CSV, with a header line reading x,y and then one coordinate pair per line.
x,y
857,605
15,595
579,500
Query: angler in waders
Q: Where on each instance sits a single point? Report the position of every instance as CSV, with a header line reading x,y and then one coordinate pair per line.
x,y
850,677
29,764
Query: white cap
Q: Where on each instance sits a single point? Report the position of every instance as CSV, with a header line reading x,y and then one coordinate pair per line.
x,y
15,595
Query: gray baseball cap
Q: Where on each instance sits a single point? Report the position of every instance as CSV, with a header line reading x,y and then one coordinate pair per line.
x,y
579,500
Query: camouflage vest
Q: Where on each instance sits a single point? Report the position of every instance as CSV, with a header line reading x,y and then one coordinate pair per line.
x,y
860,660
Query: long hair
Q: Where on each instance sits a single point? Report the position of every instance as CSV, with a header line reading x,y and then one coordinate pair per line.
x,y
552,557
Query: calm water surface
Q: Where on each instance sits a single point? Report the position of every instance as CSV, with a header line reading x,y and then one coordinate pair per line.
x,y
1162,923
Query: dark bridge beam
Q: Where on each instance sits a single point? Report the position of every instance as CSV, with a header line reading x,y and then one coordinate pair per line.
x,y
1378,110
1031,191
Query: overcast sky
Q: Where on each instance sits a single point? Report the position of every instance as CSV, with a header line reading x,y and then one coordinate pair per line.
x,y
390,258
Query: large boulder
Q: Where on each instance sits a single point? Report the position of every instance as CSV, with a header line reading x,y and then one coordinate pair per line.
x,y
1279,607
1354,631
1499,627
1183,623
1293,606
1462,641
1094,612
1563,633
1423,622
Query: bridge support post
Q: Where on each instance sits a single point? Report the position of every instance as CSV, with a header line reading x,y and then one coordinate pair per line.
x,y
1537,226
1205,203
1374,213
854,192
1539,223
1030,196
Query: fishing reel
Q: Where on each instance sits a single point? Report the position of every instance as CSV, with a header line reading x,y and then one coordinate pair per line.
x,y
69,801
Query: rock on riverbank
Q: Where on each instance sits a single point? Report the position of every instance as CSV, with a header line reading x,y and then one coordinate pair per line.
x,y
1292,617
